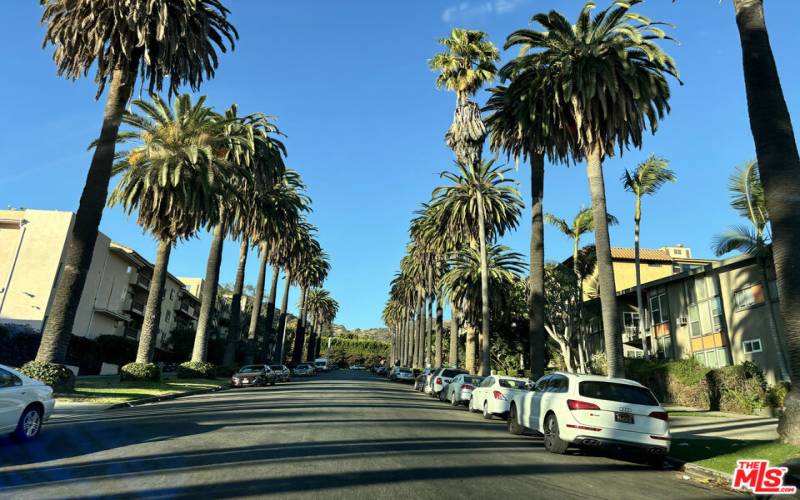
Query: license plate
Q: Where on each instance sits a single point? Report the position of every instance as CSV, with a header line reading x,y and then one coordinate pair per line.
x,y
625,418
245,381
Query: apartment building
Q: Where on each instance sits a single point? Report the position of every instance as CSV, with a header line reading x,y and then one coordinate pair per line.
x,y
654,264
721,314
33,244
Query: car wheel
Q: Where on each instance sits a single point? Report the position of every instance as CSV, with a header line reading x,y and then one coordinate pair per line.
x,y
486,414
453,400
442,396
552,439
29,425
513,422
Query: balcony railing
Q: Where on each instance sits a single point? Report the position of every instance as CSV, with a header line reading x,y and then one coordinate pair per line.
x,y
143,281
137,307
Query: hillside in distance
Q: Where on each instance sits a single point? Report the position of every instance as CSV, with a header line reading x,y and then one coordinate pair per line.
x,y
377,334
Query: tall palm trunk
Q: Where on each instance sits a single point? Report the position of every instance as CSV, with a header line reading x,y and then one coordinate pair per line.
x,y
485,362
300,332
312,340
235,326
429,333
403,340
256,312
409,341
637,219
536,333
209,294
608,293
272,335
471,341
61,316
778,164
453,335
420,331
152,310
439,330
282,317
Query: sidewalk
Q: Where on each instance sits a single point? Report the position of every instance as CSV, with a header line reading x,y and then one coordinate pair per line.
x,y
715,424
68,409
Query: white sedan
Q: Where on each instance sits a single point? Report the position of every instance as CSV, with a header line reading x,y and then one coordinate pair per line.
x,y
25,404
494,395
590,410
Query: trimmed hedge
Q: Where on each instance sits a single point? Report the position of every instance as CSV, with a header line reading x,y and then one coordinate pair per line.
x,y
59,377
18,345
738,389
145,372
197,369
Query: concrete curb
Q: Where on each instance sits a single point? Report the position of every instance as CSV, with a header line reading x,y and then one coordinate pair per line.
x,y
166,397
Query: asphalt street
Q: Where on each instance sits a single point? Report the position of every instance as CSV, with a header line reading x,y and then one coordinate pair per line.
x,y
339,435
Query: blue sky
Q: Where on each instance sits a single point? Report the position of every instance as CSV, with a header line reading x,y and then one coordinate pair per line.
x,y
349,84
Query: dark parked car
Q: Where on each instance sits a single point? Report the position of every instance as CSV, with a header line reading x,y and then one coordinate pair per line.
x,y
282,372
253,375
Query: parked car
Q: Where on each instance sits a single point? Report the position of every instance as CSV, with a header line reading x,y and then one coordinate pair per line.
x,y
357,367
321,364
282,372
421,380
493,396
591,410
459,390
253,375
401,374
441,378
382,371
25,404
304,370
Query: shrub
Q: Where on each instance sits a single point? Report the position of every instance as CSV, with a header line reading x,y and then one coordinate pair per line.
x,y
144,372
18,345
680,382
598,364
59,377
226,371
197,369
776,394
738,389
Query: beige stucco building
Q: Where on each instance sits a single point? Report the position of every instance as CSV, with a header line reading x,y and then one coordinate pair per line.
x,y
33,244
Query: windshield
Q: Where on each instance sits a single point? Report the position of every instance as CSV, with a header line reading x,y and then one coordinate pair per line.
x,y
451,372
251,369
320,363
622,393
404,370
276,367
473,380
511,383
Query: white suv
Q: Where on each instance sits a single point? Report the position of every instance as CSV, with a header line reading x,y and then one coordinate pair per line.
x,y
591,410
441,378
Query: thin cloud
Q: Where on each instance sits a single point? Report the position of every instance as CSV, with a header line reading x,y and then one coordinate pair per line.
x,y
474,9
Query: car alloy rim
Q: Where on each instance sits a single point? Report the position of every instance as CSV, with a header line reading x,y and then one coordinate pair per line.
x,y
31,423
549,432
485,408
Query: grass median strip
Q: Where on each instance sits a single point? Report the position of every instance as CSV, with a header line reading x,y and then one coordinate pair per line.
x,y
109,390
721,454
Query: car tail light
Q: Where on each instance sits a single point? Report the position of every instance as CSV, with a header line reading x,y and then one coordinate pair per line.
x,y
584,427
661,415
467,387
499,395
439,380
574,404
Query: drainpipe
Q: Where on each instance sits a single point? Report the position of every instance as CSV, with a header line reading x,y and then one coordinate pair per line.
x,y
22,225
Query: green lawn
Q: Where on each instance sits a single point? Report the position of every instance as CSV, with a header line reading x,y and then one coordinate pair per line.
x,y
109,390
703,414
721,454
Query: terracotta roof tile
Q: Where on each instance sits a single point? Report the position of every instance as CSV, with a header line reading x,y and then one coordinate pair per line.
x,y
644,254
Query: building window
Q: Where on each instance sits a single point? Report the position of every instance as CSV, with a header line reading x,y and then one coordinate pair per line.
x,y
169,315
630,321
751,346
695,329
715,306
172,294
713,358
658,309
748,297
664,347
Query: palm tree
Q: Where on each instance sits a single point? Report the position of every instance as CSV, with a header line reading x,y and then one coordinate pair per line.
x,y
311,270
172,178
747,198
524,122
464,285
262,161
647,179
278,213
160,38
778,164
479,204
608,73
322,309
582,223
465,66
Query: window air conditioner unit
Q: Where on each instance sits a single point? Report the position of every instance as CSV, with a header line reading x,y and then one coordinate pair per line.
x,y
683,321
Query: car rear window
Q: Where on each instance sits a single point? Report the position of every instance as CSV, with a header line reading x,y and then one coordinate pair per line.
x,y
473,380
451,373
403,370
276,367
511,384
622,393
